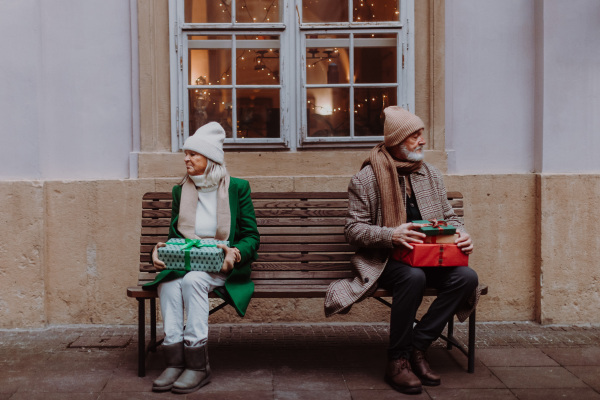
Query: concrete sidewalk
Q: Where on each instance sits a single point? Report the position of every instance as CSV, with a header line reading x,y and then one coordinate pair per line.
x,y
302,361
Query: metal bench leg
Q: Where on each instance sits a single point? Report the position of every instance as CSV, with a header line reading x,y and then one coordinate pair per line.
x,y
153,344
471,355
141,337
450,332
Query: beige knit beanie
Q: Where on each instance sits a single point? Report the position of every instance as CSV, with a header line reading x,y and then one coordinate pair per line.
x,y
208,141
399,124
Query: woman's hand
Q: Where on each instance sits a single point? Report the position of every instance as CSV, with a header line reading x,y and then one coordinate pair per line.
x,y
158,265
464,242
406,234
232,255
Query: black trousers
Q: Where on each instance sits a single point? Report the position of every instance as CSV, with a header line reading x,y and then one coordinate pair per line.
x,y
407,284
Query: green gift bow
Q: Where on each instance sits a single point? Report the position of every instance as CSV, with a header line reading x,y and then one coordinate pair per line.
x,y
187,248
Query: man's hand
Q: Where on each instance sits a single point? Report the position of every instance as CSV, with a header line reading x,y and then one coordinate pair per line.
x,y
232,255
406,234
464,242
158,265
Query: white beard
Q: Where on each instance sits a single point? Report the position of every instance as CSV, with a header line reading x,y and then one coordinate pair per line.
x,y
412,155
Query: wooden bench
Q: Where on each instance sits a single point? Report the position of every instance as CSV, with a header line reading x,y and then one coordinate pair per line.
x,y
302,250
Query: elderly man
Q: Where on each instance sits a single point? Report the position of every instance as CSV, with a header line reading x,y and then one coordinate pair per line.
x,y
394,187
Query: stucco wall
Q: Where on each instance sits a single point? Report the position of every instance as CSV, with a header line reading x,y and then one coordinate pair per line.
x,y
78,245
570,239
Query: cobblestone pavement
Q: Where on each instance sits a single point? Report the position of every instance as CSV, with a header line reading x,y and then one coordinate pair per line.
x,y
302,361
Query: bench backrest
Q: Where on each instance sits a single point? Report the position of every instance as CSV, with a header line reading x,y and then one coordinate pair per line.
x,y
302,235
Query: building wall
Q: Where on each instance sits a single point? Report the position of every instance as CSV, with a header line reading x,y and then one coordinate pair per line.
x,y
67,105
513,108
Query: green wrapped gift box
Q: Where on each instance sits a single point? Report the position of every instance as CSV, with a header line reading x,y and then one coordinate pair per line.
x,y
436,227
193,254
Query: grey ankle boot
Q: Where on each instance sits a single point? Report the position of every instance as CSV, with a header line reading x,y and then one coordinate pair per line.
x,y
174,359
197,370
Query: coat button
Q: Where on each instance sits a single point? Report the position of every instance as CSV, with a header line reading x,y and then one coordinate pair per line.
x,y
366,280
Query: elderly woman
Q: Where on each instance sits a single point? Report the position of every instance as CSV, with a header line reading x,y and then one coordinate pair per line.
x,y
208,203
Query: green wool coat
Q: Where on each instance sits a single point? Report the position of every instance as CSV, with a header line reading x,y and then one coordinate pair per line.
x,y
243,234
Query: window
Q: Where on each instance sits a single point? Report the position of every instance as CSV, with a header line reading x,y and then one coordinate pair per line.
x,y
289,73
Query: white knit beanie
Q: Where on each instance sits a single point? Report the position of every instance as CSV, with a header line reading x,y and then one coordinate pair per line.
x,y
399,124
208,141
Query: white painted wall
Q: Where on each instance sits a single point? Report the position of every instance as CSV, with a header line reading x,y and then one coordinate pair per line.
x,y
517,101
571,86
66,100
489,86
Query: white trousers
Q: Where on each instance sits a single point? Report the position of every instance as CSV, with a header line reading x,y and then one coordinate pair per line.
x,y
187,296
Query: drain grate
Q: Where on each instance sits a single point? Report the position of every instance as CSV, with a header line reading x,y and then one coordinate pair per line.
x,y
101,342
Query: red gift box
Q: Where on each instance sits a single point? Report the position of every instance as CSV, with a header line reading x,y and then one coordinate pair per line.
x,y
432,255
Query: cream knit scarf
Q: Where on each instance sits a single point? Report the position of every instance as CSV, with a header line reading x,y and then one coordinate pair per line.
x,y
387,169
187,210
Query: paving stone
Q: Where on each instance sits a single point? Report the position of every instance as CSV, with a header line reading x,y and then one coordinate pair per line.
x,y
469,394
501,357
230,395
238,379
57,381
100,342
312,395
81,360
575,356
140,396
365,378
53,396
388,394
336,360
557,394
287,379
588,374
537,377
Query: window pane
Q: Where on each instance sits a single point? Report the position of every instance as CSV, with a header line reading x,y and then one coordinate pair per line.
x,y
325,11
258,113
207,11
209,67
207,105
368,109
328,113
257,11
257,67
375,10
327,65
375,59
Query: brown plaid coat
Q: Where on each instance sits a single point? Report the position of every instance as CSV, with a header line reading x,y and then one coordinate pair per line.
x,y
364,230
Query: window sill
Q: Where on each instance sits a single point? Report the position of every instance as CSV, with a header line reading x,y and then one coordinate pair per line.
x,y
308,162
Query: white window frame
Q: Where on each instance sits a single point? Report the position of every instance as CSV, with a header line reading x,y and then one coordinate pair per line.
x,y
292,32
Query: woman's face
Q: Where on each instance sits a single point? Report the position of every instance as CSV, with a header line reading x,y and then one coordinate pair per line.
x,y
195,163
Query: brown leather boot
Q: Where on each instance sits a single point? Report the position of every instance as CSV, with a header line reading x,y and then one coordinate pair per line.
x,y
422,369
173,354
399,376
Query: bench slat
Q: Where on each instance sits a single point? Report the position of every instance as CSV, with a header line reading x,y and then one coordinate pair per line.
x,y
310,213
301,274
284,257
260,204
284,247
305,230
293,222
161,205
152,213
303,239
296,266
300,195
